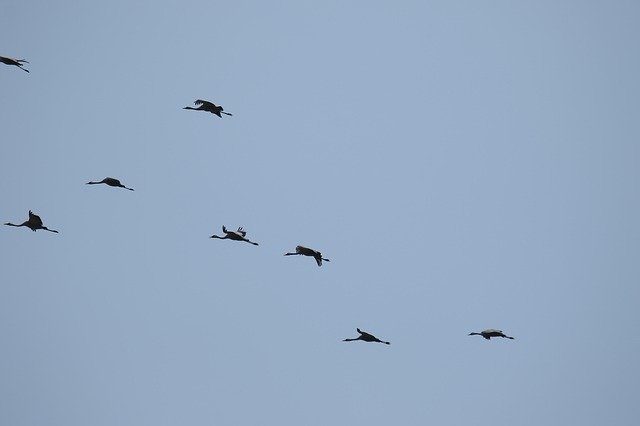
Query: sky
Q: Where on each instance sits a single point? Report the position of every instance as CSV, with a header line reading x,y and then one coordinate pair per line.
x,y
464,164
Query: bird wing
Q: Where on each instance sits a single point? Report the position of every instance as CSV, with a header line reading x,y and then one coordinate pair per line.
x,y
34,219
241,232
305,250
203,102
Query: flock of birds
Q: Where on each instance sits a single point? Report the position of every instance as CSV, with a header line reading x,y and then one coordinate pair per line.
x,y
35,222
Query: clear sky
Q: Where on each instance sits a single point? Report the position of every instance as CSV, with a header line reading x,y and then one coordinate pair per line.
x,y
464,164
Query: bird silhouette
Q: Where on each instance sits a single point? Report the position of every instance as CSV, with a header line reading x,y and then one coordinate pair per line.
x,y
489,333
34,223
111,182
238,235
306,251
208,106
17,62
364,336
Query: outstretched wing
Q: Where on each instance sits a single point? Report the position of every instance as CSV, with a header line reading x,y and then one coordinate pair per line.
x,y
366,335
34,219
242,232
205,103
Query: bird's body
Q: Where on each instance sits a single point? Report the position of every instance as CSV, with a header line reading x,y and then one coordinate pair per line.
x,y
238,235
491,332
209,107
34,223
111,182
366,337
306,251
17,62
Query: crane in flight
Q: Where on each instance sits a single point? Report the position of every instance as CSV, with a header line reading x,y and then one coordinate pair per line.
x,y
366,337
489,333
17,62
34,223
209,107
306,251
111,182
238,235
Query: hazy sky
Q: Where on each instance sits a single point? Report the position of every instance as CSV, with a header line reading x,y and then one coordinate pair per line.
x,y
464,164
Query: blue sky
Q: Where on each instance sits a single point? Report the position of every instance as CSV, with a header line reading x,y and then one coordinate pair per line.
x,y
464,165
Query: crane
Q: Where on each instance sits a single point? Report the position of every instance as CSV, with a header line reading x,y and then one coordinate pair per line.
x,y
208,106
34,223
364,336
238,235
306,251
111,182
17,62
490,332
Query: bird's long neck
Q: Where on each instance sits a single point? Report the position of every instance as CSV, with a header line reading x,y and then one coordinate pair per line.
x,y
13,224
475,334
50,230
226,113
93,183
220,238
351,340
188,107
291,254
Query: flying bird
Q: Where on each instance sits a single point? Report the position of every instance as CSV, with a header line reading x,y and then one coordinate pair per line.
x,y
489,333
111,182
17,62
364,336
34,223
208,106
306,251
238,235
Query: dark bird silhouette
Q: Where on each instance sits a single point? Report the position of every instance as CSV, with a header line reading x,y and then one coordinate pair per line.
x,y
17,62
306,251
111,182
238,235
208,106
489,333
364,336
34,223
